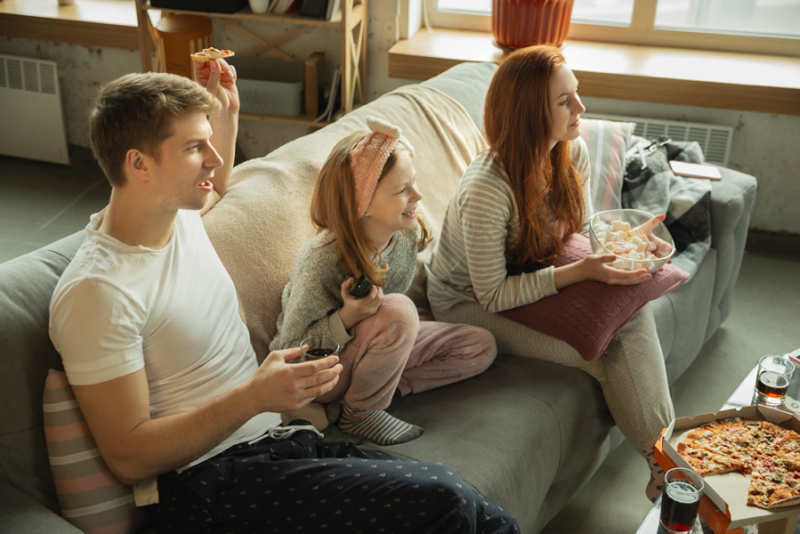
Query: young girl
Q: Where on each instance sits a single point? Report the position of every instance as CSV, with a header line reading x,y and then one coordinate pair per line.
x,y
364,206
513,209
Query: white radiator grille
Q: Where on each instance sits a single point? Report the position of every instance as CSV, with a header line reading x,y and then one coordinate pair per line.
x,y
31,115
714,140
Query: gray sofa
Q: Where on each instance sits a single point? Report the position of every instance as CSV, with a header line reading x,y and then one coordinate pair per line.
x,y
526,433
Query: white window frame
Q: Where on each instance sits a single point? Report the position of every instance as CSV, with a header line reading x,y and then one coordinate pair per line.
x,y
640,32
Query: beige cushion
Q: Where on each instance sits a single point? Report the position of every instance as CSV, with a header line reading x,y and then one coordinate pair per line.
x,y
262,221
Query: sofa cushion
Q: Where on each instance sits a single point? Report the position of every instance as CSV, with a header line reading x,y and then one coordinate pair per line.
x,y
26,354
262,221
607,142
588,314
514,433
91,497
467,83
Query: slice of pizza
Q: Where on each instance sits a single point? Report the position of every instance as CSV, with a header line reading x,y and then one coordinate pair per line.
x,y
772,486
212,53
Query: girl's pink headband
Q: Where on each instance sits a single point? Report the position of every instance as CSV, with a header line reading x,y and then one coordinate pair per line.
x,y
369,156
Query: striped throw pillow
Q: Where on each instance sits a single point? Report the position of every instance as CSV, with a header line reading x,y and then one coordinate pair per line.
x,y
607,142
91,497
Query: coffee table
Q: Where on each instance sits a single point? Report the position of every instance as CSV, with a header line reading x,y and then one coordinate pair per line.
x,y
743,396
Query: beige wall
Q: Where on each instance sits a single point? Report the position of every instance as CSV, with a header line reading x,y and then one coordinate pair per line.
x,y
764,145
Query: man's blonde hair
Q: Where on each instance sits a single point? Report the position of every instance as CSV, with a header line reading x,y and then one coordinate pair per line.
x,y
137,111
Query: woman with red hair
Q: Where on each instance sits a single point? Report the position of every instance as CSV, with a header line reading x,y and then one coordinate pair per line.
x,y
516,204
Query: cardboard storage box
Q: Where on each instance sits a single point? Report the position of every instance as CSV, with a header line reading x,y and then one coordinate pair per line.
x,y
724,503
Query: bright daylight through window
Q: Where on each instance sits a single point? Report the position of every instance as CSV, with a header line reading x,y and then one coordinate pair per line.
x,y
763,18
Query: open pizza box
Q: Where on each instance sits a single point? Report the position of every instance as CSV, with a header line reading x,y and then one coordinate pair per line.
x,y
724,503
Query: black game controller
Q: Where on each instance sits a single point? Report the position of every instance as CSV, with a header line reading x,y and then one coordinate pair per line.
x,y
361,287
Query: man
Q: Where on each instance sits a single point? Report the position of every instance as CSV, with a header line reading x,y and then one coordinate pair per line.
x,y
146,321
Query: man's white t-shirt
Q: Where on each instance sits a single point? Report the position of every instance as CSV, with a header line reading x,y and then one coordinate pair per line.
x,y
119,308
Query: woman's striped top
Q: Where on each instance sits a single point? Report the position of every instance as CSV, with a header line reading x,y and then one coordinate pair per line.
x,y
469,260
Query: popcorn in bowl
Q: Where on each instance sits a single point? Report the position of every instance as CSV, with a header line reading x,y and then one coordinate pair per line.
x,y
635,237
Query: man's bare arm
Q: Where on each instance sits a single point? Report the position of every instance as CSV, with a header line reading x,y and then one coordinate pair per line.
x,y
136,447
219,79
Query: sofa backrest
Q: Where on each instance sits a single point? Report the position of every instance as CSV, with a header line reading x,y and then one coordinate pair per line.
x,y
26,354
263,220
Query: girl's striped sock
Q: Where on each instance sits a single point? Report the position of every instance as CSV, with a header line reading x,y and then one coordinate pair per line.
x,y
377,426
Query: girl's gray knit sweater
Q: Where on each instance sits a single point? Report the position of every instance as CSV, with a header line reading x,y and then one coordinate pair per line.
x,y
313,295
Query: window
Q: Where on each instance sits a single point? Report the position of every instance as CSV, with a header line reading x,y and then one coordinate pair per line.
x,y
760,26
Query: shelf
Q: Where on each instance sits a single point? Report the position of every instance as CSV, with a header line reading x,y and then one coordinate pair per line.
x,y
353,50
110,23
247,14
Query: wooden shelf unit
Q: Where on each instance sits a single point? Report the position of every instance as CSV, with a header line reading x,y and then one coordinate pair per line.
x,y
353,26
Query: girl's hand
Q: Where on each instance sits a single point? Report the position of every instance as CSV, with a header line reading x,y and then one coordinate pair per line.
x,y
597,267
356,310
219,79
656,245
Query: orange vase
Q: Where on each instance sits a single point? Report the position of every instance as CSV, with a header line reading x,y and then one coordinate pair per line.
x,y
521,23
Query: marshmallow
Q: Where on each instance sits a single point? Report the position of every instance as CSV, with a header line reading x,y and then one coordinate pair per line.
x,y
630,245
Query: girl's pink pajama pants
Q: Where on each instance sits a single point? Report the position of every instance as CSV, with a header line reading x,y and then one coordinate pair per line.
x,y
394,350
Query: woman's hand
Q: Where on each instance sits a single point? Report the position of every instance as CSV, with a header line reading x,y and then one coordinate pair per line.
x,y
219,79
656,245
356,310
597,267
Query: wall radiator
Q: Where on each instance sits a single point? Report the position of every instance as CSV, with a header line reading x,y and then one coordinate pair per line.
x,y
714,140
31,115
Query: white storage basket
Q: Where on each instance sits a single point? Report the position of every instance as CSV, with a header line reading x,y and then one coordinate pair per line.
x,y
270,86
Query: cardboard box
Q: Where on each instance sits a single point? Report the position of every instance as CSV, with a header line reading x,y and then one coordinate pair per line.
x,y
724,503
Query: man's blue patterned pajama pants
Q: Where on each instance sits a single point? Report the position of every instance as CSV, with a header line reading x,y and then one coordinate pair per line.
x,y
302,484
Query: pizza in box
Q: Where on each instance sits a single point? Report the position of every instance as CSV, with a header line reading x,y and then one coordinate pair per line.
x,y
769,454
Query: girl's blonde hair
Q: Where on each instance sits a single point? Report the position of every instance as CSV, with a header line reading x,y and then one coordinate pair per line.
x,y
333,207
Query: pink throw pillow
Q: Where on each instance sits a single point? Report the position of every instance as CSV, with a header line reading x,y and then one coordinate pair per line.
x,y
91,497
588,314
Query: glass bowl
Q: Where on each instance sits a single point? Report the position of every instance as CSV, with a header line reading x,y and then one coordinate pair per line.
x,y
654,245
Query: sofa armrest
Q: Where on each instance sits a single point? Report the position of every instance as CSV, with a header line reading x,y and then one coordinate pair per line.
x,y
732,200
22,515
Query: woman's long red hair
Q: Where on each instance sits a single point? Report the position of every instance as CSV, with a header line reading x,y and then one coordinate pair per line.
x,y
546,186
333,207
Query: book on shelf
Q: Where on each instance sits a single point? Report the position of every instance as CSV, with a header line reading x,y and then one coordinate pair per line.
x,y
322,9
314,9
334,11
332,97
312,87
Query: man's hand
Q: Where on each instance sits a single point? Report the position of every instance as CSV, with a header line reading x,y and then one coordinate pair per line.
x,y
282,387
219,79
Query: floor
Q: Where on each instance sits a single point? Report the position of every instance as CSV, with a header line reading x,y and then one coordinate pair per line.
x,y
41,202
